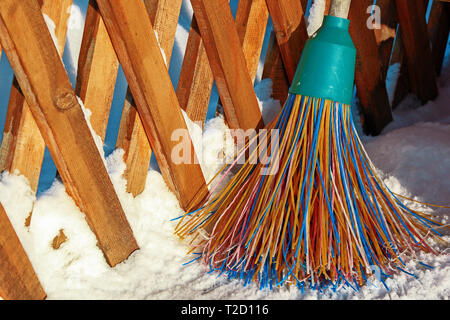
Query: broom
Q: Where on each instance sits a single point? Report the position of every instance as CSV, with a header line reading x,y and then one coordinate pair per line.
x,y
319,215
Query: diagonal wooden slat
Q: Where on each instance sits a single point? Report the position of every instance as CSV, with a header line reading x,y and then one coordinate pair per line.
x,y
376,111
132,138
97,70
18,280
422,76
44,82
164,16
196,78
137,48
251,22
228,64
290,29
274,69
22,146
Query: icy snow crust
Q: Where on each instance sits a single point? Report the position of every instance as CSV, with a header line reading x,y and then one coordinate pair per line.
x,y
412,155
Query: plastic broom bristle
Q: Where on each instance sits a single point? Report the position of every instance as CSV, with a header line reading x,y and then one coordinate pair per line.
x,y
319,217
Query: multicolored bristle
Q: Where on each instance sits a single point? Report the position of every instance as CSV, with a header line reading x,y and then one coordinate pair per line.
x,y
318,215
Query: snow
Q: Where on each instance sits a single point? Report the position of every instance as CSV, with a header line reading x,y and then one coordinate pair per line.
x,y
412,155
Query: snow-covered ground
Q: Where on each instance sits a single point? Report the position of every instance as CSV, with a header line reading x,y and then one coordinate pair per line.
x,y
412,155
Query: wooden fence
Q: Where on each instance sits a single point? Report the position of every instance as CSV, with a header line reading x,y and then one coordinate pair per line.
x,y
43,109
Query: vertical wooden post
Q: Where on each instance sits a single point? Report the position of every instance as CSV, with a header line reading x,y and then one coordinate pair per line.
x,y
97,70
196,78
132,138
137,48
438,29
227,61
290,29
385,35
411,16
18,280
55,108
369,81
22,147
398,56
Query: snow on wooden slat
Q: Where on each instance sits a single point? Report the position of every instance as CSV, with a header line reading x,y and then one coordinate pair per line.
x,y
228,64
97,70
274,69
18,280
55,108
196,78
137,48
22,147
132,138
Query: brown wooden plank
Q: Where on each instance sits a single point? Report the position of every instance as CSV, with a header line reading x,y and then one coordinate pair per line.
x,y
18,281
290,29
22,147
164,16
251,22
53,104
402,87
274,69
196,77
376,112
385,35
438,30
411,16
135,43
97,70
132,138
228,64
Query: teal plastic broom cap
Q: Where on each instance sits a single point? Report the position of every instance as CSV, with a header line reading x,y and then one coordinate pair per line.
x,y
327,67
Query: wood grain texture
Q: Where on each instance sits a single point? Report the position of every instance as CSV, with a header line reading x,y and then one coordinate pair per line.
x,y
374,102
18,281
196,77
228,64
251,22
421,71
137,48
53,104
438,30
164,16
290,29
132,138
23,147
274,69
97,70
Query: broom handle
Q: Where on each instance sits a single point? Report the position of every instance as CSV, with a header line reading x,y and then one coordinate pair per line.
x,y
340,8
